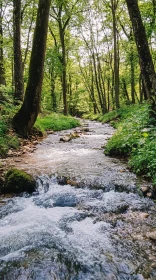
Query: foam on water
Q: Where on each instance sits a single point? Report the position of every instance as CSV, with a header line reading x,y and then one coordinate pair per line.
x,y
62,220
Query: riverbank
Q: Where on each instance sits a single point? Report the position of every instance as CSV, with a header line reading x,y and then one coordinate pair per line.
x,y
133,140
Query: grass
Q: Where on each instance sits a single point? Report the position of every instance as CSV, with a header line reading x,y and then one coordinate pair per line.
x,y
49,121
7,139
134,139
55,122
116,116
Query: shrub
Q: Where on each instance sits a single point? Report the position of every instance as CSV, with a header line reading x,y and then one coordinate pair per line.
x,y
143,159
135,137
129,134
7,141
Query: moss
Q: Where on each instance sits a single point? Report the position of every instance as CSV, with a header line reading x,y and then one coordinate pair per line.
x,y
17,181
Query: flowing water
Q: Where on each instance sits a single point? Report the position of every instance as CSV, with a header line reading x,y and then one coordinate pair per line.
x,y
86,220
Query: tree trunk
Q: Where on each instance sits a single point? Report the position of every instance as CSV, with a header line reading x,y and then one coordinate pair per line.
x,y
101,85
146,63
64,71
125,92
24,120
132,76
116,53
2,71
53,94
18,65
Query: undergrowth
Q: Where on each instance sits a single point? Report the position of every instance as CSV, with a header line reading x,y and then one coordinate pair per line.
x,y
48,121
134,139
55,122
7,109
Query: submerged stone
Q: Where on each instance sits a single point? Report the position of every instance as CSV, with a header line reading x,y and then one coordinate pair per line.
x,y
17,181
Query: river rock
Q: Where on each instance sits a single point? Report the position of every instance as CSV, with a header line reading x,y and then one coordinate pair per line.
x,y
144,189
151,235
65,138
143,215
72,183
17,181
75,134
153,265
149,194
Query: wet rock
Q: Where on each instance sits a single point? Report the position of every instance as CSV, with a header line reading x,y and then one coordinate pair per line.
x,y
65,138
72,183
143,215
50,132
75,134
144,189
17,181
153,265
62,180
151,235
137,237
149,194
85,129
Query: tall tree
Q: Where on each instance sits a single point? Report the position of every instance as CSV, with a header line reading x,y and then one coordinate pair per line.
x,y
18,65
62,12
114,5
25,118
2,71
146,63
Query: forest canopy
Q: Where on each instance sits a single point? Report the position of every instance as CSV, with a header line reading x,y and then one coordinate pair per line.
x,y
95,59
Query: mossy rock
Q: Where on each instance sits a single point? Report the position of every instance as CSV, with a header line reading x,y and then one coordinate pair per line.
x,y
17,181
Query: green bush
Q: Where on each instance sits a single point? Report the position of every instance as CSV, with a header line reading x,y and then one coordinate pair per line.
x,y
55,122
129,134
143,159
3,128
135,137
7,141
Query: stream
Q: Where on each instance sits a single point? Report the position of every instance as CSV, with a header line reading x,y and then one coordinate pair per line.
x,y
87,219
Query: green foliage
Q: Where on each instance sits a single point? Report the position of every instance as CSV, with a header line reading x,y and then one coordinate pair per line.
x,y
8,108
135,137
7,138
55,122
114,117
7,141
17,181
129,134
143,159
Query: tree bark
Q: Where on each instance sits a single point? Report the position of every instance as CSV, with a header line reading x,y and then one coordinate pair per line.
x,y
146,63
2,70
25,118
132,76
18,65
64,71
114,5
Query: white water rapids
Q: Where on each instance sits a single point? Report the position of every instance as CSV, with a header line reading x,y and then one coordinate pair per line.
x,y
92,231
